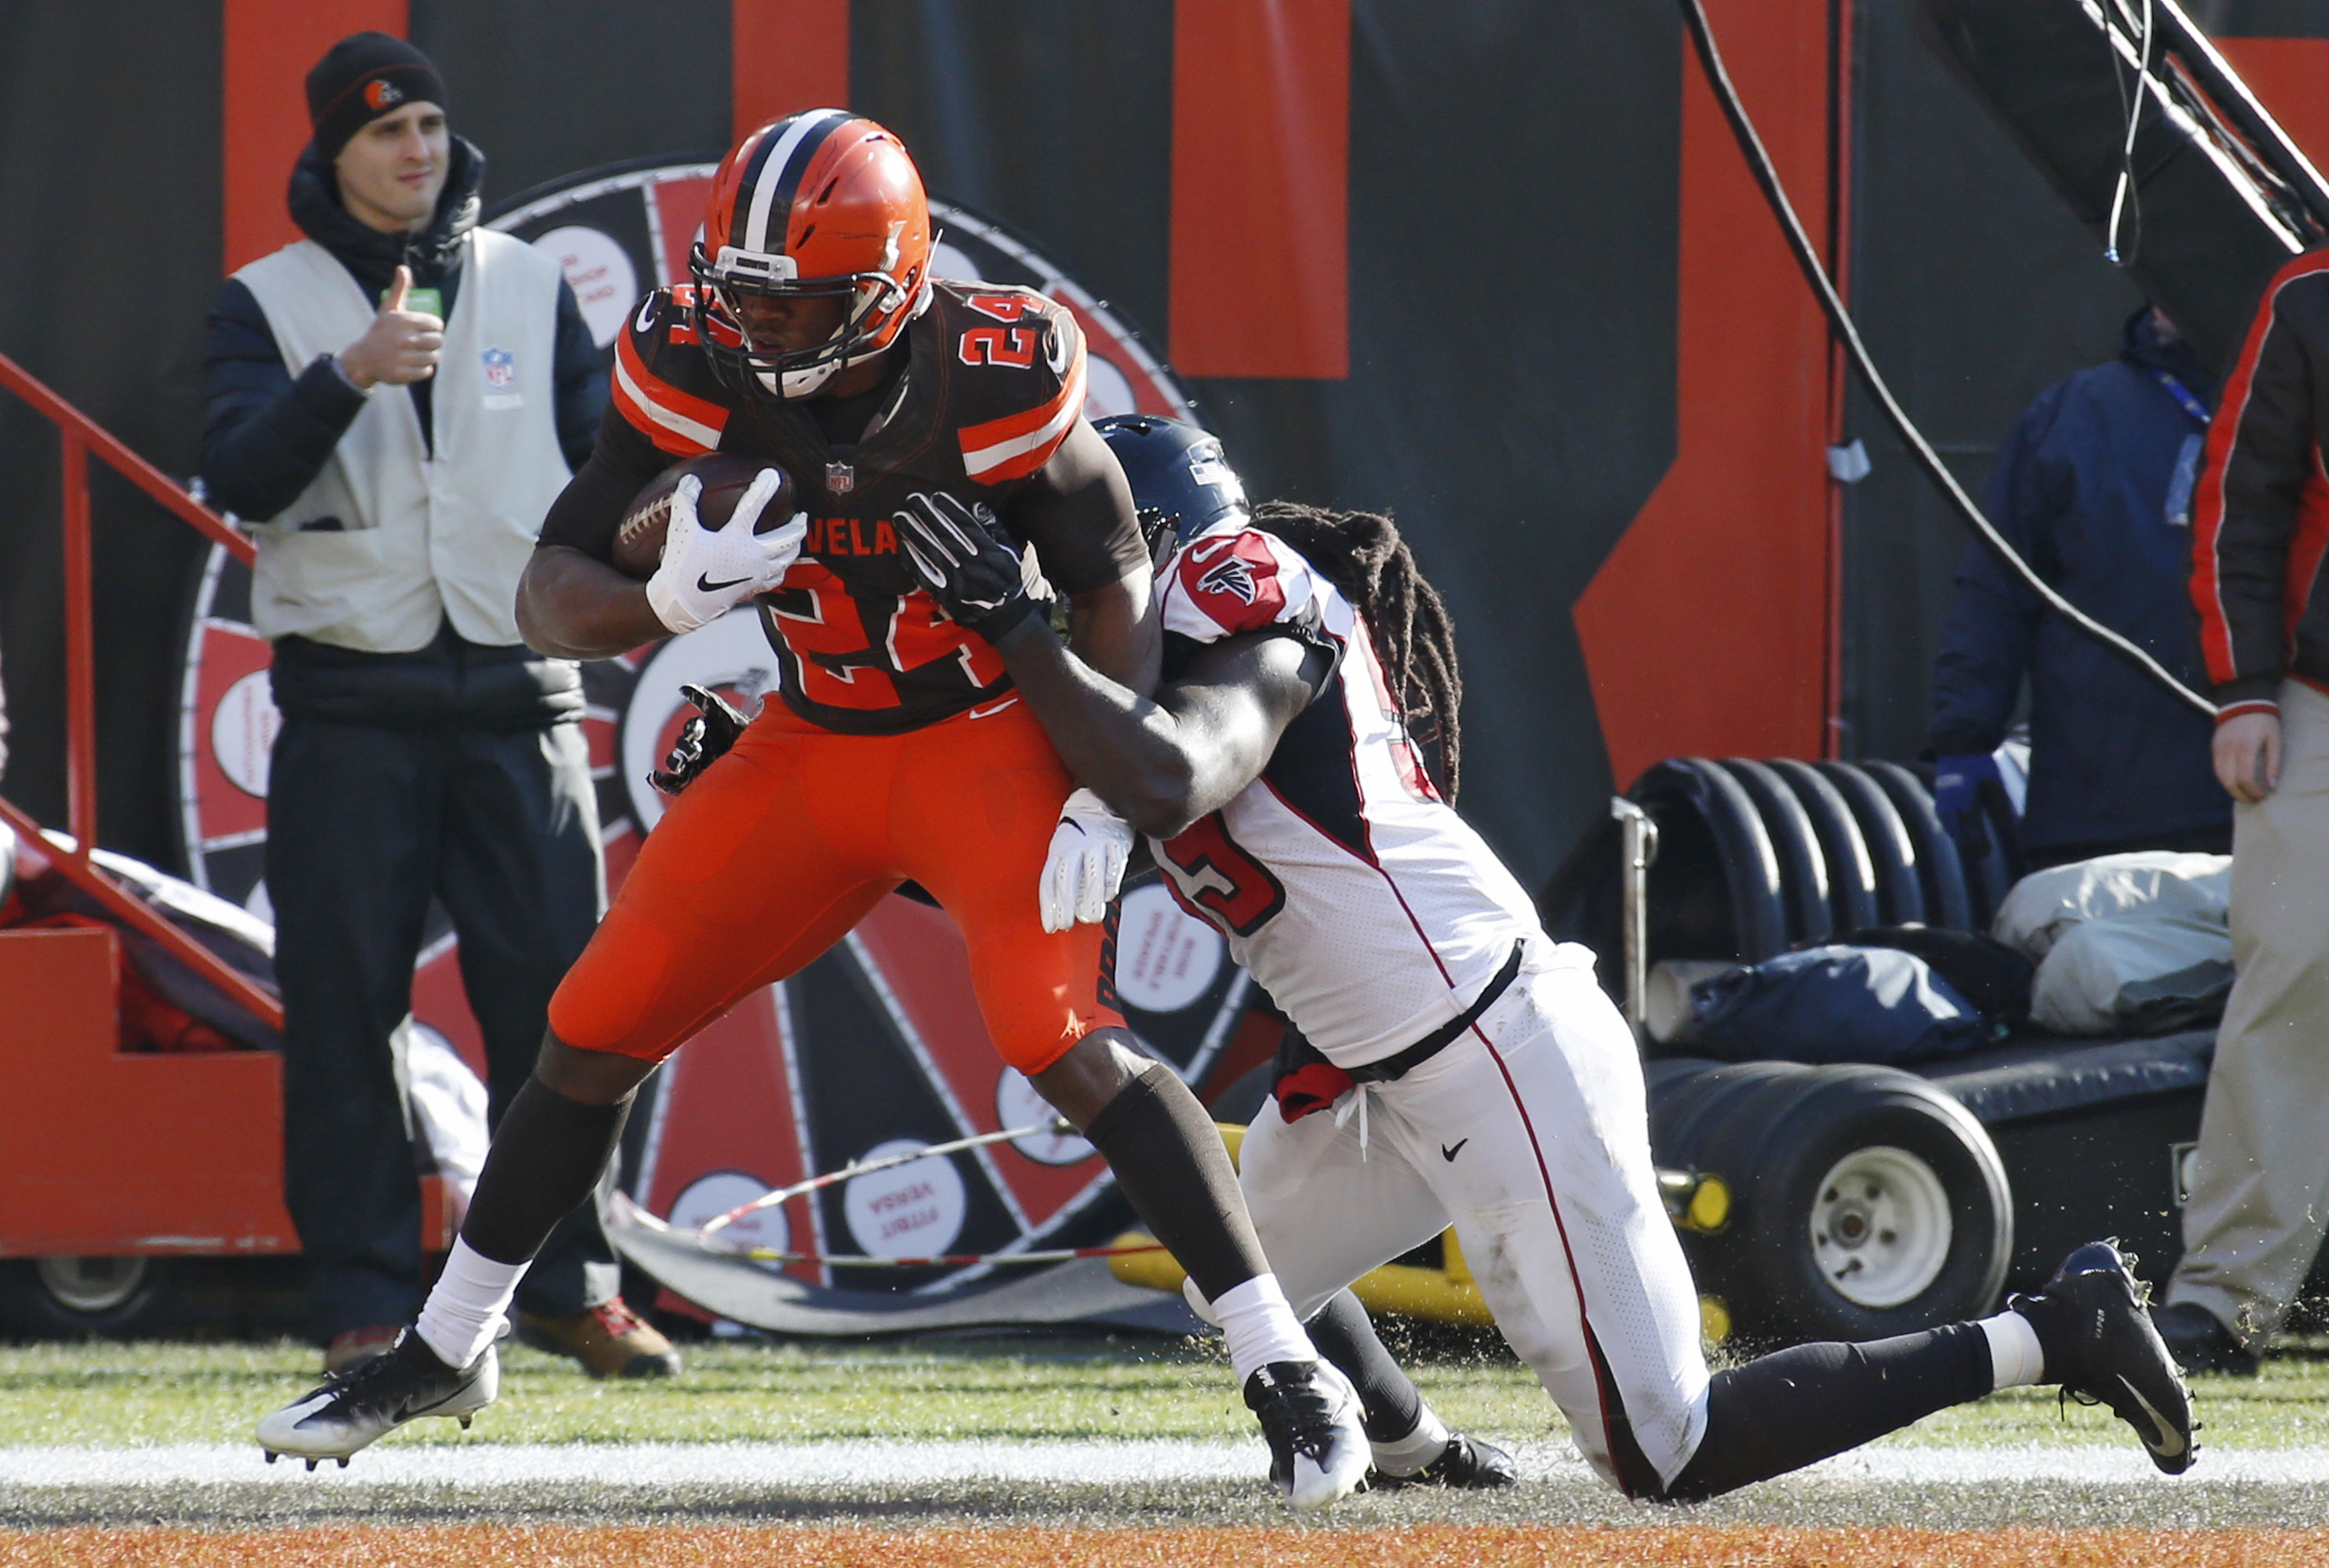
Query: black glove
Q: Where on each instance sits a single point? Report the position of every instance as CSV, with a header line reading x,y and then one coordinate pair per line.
x,y
703,740
974,575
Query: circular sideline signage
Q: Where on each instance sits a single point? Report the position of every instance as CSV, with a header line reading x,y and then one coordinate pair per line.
x,y
876,1046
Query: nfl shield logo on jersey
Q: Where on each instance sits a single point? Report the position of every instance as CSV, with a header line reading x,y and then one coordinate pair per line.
x,y
840,478
501,368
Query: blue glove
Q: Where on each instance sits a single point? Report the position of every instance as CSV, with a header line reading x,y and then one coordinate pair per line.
x,y
1957,797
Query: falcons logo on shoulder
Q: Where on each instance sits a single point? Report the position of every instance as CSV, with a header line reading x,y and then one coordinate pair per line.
x,y
1231,576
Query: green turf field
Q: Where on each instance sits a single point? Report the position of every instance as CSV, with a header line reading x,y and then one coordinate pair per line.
x,y
1014,1387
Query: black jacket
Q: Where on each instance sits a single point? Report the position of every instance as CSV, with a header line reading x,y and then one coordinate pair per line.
x,y
2094,487
2260,527
266,434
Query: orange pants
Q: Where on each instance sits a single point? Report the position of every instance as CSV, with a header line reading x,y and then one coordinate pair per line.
x,y
783,845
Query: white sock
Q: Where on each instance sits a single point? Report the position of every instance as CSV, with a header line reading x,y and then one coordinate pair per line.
x,y
464,1313
1259,1326
1408,1454
2016,1360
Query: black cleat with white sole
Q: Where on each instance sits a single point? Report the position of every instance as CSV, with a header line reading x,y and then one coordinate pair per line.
x,y
356,1408
1467,1464
1310,1414
2102,1346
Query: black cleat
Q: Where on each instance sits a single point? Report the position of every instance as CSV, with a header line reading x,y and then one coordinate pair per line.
x,y
356,1408
2100,1343
2200,1343
1310,1414
1467,1464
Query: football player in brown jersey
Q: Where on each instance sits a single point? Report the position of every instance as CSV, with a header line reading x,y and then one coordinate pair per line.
x,y
813,335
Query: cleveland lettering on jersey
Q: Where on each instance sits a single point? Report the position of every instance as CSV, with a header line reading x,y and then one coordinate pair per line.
x,y
849,537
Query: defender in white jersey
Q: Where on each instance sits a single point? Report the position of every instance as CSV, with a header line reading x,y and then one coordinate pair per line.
x,y
1468,1069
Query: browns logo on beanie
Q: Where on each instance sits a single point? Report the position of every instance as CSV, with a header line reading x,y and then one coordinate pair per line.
x,y
362,76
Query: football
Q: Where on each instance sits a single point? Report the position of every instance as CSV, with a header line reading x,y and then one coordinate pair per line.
x,y
638,538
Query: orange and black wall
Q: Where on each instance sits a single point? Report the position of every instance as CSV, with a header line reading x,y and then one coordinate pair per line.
x,y
1493,267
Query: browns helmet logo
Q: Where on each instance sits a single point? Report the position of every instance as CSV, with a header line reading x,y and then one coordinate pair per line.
x,y
380,93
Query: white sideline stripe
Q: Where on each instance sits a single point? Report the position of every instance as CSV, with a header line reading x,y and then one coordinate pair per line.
x,y
890,1465
478,1465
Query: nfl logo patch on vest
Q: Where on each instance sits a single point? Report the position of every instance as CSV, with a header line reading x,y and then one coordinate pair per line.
x,y
840,478
501,368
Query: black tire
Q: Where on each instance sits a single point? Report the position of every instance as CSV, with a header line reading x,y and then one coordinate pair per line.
x,y
1851,875
82,1298
1941,867
1714,889
1925,1239
1899,895
1803,869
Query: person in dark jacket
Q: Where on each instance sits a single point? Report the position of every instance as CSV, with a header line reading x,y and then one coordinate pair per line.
x,y
2255,1217
2094,488
391,403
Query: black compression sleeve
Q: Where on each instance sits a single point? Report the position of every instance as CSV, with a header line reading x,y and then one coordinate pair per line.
x,y
1345,1336
1793,1408
1170,1163
547,1155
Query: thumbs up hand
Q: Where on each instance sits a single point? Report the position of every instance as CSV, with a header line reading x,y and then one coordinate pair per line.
x,y
400,345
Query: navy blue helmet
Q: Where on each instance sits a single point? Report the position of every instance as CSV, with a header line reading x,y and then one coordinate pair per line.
x,y
1182,485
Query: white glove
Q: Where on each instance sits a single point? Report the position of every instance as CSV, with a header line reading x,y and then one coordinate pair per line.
x,y
1086,863
704,574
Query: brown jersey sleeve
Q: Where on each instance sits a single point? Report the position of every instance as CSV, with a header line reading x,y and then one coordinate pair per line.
x,y
1077,510
663,385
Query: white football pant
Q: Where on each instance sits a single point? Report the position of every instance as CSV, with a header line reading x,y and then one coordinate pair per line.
x,y
1530,1135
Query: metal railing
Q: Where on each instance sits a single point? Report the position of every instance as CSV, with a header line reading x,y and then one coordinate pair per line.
x,y
80,438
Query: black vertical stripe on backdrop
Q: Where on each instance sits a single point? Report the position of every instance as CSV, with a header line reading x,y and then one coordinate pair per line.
x,y
1053,115
1976,290
1511,394
110,180
548,87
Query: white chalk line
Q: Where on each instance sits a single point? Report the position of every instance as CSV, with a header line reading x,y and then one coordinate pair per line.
x,y
887,1466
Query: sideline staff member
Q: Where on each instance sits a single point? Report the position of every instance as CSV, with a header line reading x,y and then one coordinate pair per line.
x,y
2260,1185
2094,487
402,395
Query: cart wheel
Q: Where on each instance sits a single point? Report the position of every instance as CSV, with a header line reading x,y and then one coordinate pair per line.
x,y
1880,1227
1869,1203
84,1297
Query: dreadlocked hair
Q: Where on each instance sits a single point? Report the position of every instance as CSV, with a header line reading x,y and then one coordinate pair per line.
x,y
1362,554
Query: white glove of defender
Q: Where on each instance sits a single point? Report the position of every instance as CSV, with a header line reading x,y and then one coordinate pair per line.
x,y
705,573
1086,863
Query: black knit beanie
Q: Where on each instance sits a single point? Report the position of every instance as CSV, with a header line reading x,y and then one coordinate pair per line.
x,y
362,76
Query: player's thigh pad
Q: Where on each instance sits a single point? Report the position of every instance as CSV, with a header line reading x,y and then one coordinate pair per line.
x,y
976,804
740,884
1556,1204
1327,1211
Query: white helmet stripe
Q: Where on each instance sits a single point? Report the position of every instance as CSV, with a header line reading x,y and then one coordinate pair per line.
x,y
776,174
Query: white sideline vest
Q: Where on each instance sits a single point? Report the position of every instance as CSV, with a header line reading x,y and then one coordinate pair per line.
x,y
420,538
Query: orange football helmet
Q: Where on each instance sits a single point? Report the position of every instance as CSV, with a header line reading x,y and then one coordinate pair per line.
x,y
820,205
